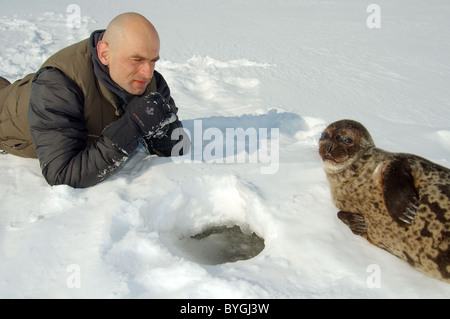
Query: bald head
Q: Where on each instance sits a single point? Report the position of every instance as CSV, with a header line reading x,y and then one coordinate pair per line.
x,y
129,25
130,49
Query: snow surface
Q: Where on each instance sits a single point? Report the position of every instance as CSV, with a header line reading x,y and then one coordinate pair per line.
x,y
295,65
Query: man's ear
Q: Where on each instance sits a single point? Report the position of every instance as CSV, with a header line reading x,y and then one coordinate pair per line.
x,y
103,52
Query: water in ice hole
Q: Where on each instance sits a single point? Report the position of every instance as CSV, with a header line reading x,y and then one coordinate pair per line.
x,y
220,244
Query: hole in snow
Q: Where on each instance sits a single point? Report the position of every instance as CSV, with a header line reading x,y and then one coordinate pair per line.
x,y
221,244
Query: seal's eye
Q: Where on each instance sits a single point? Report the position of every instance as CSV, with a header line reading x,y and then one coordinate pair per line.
x,y
347,140
324,136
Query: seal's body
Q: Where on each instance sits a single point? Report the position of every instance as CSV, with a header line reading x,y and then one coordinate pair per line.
x,y
399,202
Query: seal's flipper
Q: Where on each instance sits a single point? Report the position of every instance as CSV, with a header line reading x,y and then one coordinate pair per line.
x,y
399,192
354,221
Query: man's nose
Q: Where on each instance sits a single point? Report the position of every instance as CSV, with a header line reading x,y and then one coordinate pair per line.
x,y
147,69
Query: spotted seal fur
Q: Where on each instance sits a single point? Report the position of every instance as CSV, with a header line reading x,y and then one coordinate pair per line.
x,y
399,202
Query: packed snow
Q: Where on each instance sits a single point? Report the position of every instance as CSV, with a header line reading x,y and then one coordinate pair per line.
x,y
280,71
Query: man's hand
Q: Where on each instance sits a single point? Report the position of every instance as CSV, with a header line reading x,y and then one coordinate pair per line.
x,y
146,116
151,114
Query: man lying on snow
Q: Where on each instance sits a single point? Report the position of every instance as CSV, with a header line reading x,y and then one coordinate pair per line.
x,y
91,104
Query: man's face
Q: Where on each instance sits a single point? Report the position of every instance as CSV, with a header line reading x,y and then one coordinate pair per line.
x,y
131,64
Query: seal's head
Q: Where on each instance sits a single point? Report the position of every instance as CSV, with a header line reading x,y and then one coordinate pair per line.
x,y
342,143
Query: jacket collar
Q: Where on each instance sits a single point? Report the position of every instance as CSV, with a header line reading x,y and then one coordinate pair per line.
x,y
102,72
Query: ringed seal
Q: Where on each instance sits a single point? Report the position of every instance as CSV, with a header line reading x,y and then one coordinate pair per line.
x,y
399,202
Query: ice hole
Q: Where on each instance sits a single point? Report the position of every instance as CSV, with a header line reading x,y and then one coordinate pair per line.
x,y
221,244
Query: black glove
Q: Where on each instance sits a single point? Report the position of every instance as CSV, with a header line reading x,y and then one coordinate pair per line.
x,y
166,146
151,114
146,116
